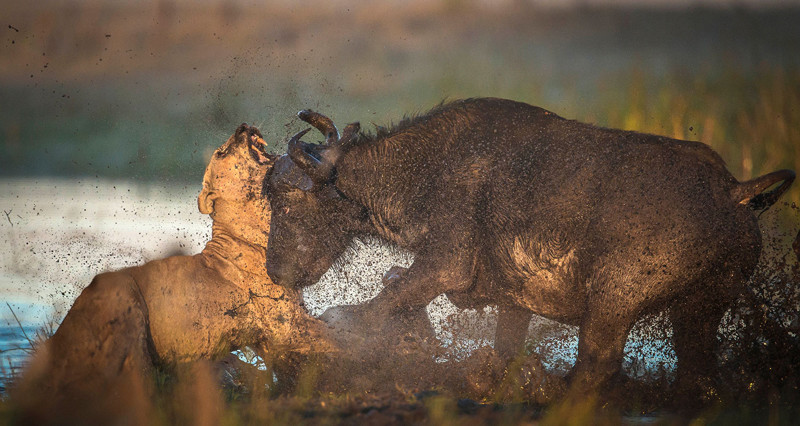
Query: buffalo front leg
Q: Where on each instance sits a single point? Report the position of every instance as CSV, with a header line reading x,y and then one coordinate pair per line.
x,y
413,321
509,361
349,319
441,268
512,329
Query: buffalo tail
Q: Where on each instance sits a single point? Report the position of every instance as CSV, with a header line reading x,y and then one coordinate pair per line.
x,y
752,192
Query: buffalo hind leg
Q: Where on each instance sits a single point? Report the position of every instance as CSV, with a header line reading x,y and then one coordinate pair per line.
x,y
601,344
695,322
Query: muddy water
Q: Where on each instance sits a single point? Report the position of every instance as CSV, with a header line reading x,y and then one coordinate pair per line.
x,y
58,234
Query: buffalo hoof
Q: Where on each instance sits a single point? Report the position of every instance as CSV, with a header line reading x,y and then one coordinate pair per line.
x,y
483,370
696,393
368,322
348,325
391,277
346,317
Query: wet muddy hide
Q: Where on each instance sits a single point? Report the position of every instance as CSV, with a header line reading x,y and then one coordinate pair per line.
x,y
756,361
510,205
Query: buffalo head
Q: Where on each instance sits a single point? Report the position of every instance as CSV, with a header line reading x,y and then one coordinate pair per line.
x,y
312,221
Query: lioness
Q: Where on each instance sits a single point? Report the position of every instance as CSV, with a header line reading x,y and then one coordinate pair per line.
x,y
173,310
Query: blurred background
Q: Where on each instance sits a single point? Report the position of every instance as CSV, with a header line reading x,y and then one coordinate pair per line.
x,y
111,109
143,90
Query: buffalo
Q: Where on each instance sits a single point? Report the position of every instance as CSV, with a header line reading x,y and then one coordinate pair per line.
x,y
509,204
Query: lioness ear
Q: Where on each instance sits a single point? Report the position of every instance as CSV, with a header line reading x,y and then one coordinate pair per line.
x,y
205,201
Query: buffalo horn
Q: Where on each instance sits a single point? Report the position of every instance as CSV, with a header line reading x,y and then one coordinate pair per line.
x,y
318,171
322,123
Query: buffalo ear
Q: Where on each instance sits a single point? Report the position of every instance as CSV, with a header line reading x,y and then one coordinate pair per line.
x,y
206,200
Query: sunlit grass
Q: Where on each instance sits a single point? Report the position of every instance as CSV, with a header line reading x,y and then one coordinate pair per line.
x,y
752,121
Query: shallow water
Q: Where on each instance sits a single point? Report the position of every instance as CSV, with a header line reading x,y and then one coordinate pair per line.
x,y
60,233
14,342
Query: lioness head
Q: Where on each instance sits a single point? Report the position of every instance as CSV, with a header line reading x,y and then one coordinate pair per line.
x,y
232,186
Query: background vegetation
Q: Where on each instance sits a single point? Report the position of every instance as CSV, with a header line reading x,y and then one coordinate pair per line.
x,y
145,90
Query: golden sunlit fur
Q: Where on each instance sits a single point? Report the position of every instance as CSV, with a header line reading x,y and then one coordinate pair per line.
x,y
175,310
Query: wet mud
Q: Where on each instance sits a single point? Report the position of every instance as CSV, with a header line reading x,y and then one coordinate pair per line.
x,y
407,378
